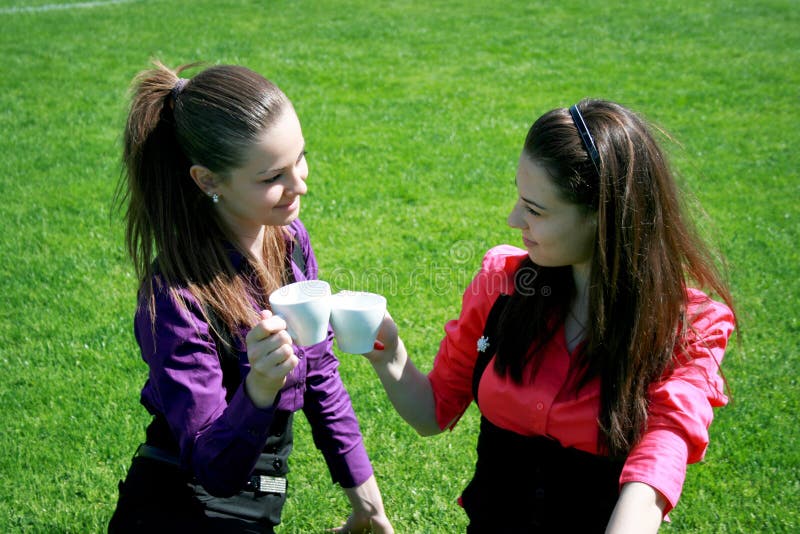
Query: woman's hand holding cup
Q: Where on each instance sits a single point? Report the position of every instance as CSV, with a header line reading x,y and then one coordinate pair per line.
x,y
271,356
386,343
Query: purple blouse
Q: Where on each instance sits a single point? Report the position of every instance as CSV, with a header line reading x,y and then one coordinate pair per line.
x,y
220,441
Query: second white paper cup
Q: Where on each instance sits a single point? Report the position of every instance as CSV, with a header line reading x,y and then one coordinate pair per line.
x,y
306,308
356,318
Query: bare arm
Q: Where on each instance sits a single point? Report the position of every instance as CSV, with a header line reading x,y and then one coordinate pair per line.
x,y
639,509
368,514
407,388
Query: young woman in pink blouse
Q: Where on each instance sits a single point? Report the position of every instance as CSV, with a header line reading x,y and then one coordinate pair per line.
x,y
591,356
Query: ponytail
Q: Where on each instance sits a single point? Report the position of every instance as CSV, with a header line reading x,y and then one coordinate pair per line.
x,y
154,163
167,216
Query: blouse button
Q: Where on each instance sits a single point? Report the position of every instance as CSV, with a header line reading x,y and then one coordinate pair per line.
x,y
539,406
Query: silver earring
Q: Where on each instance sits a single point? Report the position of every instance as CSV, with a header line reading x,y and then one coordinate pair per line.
x,y
215,198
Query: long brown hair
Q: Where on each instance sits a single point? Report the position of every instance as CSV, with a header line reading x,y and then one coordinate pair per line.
x,y
210,120
646,253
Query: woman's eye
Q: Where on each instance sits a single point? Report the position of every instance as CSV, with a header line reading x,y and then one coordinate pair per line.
x,y
532,211
272,179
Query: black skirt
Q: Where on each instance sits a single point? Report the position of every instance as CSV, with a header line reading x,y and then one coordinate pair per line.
x,y
158,496
533,484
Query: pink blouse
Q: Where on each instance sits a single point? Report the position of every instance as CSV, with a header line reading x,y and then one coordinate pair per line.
x,y
680,405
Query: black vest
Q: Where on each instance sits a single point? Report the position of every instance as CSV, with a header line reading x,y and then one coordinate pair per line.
x,y
258,500
532,483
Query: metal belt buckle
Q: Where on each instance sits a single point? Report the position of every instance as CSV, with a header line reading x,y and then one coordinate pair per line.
x,y
268,484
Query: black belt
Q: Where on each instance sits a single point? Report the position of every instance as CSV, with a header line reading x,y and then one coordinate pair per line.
x,y
257,483
154,453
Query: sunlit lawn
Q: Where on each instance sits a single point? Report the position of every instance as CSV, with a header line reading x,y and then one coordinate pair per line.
x,y
414,114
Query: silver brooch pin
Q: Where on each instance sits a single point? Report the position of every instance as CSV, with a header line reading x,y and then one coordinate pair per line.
x,y
483,343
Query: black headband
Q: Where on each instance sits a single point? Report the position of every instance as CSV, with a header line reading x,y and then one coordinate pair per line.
x,y
586,137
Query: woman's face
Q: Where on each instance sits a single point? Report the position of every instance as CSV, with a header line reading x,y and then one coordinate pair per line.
x,y
555,232
266,189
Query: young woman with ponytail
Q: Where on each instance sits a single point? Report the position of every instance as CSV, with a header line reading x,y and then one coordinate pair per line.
x,y
593,359
215,167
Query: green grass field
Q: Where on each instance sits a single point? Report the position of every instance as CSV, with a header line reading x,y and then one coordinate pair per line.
x,y
414,114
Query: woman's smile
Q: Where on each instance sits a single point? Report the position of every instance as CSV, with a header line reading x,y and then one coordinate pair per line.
x,y
293,205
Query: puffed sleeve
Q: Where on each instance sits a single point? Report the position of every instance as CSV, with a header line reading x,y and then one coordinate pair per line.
x,y
681,406
219,441
451,376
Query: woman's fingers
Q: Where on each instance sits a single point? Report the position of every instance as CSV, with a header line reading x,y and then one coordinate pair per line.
x,y
387,334
269,348
269,344
275,364
267,326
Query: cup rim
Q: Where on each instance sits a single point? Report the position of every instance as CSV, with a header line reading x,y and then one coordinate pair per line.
x,y
288,294
372,299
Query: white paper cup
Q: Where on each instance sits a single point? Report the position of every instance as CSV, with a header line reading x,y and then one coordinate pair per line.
x,y
306,308
356,318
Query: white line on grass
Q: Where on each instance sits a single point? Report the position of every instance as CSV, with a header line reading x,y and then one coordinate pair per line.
x,y
58,7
